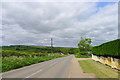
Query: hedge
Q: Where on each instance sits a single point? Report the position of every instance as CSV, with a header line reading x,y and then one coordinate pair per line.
x,y
9,53
108,49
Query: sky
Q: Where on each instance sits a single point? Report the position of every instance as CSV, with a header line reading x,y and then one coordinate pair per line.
x,y
34,23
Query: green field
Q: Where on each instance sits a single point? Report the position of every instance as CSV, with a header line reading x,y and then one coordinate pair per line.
x,y
100,70
39,49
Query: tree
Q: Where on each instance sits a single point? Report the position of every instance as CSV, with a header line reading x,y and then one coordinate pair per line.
x,y
65,50
84,45
73,50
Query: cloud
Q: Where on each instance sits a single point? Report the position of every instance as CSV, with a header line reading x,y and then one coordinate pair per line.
x,y
32,23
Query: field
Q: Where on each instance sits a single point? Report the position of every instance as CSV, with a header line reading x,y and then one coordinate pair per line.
x,y
18,56
39,49
100,70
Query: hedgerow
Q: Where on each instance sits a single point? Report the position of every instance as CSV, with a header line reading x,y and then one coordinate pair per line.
x,y
9,53
110,48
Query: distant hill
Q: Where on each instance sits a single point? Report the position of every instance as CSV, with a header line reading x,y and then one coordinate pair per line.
x,y
40,49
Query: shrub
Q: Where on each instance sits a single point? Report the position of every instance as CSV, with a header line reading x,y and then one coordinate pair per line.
x,y
14,62
107,49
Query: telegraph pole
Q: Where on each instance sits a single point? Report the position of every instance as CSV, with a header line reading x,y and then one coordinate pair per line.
x,y
51,45
52,42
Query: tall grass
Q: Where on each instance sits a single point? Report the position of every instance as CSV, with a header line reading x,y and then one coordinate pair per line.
x,y
13,62
18,56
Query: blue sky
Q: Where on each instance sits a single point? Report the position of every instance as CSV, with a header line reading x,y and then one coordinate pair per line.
x,y
103,4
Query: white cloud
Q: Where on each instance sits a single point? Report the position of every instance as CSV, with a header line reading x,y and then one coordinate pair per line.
x,y
34,23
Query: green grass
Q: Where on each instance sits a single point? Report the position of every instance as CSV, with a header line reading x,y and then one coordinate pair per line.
x,y
13,62
100,70
82,56
19,56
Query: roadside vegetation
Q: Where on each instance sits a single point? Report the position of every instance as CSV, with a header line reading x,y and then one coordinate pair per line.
x,y
13,62
14,57
100,70
109,49
82,56
84,48
108,53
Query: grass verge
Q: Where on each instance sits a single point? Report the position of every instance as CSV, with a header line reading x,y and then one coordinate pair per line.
x,y
100,70
82,56
14,62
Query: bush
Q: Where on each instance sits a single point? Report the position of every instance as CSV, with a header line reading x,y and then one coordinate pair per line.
x,y
83,53
79,55
107,49
82,56
8,53
13,62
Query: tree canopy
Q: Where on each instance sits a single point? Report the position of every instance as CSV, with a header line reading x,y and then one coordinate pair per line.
x,y
84,45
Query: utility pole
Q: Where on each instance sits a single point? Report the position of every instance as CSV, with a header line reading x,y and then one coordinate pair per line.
x,y
52,42
51,45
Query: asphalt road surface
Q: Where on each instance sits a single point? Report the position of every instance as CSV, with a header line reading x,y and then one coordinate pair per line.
x,y
56,68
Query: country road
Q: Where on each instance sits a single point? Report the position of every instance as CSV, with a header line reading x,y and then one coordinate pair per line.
x,y
56,68
65,67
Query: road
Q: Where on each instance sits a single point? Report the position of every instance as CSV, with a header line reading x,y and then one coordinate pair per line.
x,y
56,68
